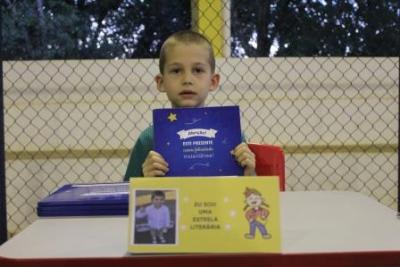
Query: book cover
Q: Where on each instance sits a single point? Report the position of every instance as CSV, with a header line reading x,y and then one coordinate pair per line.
x,y
198,141
204,215
86,200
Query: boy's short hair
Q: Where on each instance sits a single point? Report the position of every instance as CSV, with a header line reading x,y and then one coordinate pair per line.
x,y
157,193
186,37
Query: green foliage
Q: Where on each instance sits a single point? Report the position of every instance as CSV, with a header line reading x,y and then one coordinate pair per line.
x,y
30,35
79,29
318,27
82,29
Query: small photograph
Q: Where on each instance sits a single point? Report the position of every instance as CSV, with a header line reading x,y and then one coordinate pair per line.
x,y
155,217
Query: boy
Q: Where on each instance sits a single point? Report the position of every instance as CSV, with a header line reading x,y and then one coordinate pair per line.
x,y
158,217
187,75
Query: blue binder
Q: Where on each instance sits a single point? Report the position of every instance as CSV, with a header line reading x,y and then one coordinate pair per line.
x,y
86,200
198,141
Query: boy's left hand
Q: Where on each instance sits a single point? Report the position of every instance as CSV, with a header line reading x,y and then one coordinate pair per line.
x,y
246,159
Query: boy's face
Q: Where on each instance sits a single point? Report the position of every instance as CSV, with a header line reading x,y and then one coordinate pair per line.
x,y
187,77
158,201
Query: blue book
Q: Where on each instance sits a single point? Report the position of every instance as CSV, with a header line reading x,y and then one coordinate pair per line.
x,y
198,141
86,200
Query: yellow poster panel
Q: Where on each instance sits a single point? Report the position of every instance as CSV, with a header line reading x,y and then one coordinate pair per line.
x,y
204,214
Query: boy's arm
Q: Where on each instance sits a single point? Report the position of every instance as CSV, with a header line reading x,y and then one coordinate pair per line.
x,y
143,146
141,213
246,159
137,157
167,218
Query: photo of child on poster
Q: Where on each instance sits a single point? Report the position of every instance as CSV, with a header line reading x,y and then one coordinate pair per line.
x,y
155,217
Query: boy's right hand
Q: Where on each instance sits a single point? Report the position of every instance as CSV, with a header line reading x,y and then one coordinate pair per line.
x,y
154,165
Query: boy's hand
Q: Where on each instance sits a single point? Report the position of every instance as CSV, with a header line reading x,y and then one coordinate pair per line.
x,y
246,159
154,165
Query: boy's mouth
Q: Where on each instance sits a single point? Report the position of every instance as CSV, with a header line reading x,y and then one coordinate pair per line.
x,y
187,93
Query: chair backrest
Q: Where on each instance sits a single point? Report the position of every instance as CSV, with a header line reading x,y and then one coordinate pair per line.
x,y
270,160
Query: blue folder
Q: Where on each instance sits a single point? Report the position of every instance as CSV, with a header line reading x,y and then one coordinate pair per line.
x,y
86,200
198,141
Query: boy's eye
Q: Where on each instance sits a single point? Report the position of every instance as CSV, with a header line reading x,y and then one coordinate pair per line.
x,y
198,70
174,70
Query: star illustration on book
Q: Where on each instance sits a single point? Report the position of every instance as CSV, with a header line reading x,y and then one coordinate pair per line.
x,y
172,117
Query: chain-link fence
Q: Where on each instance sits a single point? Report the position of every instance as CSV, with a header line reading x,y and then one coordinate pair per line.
x,y
75,121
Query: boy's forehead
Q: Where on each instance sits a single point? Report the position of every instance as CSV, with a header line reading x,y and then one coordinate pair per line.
x,y
180,50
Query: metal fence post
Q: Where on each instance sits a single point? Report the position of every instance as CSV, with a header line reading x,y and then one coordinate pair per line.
x,y
3,210
398,166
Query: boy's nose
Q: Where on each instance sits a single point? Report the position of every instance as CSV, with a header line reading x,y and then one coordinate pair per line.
x,y
187,78
187,82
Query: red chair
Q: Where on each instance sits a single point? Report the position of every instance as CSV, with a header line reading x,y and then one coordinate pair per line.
x,y
270,160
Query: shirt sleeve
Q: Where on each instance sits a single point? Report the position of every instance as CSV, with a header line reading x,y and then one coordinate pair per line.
x,y
139,153
243,138
136,160
167,217
141,213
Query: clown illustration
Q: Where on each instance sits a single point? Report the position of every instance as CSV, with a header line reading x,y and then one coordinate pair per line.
x,y
256,213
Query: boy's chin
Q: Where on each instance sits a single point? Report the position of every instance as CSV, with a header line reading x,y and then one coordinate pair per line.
x,y
187,104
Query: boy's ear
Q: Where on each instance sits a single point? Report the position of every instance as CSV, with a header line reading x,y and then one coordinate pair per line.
x,y
214,82
159,80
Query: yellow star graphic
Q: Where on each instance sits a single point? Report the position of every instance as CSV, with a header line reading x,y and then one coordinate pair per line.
x,y
172,117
